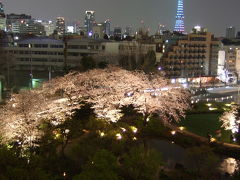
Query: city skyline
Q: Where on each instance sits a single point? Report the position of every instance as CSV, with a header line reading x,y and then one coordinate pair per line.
x,y
210,14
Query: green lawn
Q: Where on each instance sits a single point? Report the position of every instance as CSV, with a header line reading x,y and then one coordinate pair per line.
x,y
201,124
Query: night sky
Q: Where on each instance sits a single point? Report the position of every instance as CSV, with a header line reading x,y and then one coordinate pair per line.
x,y
216,15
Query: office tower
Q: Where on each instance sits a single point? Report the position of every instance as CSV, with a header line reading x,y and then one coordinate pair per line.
x,y
77,27
14,20
98,31
129,31
89,21
230,32
27,27
60,25
49,26
117,32
107,27
2,18
179,25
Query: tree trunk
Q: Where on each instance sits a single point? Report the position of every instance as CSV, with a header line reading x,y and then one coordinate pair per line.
x,y
145,142
238,135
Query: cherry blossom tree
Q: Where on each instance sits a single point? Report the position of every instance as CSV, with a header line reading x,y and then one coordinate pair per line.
x,y
23,114
112,88
19,117
231,121
107,89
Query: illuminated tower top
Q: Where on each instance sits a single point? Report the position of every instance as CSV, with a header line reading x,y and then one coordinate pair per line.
x,y
179,26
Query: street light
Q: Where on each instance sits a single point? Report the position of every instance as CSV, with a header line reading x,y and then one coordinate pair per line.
x,y
201,76
31,73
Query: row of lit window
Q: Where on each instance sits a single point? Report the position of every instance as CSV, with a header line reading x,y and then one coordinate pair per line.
x,y
40,60
41,45
85,47
188,57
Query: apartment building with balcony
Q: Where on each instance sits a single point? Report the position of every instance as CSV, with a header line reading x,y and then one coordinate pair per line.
x,y
193,55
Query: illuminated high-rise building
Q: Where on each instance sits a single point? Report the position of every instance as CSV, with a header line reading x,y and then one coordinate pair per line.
x,y
49,27
2,18
14,20
89,21
1,8
27,27
193,55
179,25
60,25
231,32
107,27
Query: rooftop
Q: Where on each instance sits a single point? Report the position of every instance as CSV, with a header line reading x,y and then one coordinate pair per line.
x,y
40,40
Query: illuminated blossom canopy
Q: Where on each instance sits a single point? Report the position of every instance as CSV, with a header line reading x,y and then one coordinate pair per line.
x,y
107,89
231,120
110,89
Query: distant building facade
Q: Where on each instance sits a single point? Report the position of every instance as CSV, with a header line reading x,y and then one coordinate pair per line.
x,y
117,32
40,53
49,27
128,31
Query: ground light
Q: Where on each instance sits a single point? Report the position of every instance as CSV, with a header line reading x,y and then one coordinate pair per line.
x,y
118,136
209,105
213,109
181,128
212,140
123,129
102,134
134,129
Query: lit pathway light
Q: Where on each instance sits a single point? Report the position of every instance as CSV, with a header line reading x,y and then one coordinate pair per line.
x,y
134,129
118,136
